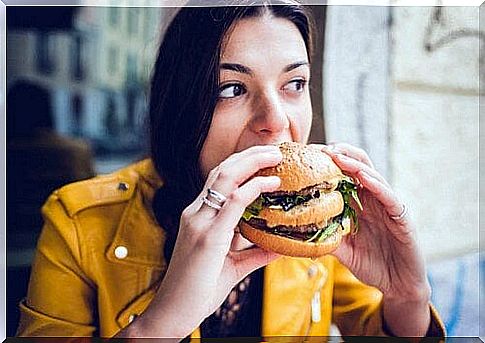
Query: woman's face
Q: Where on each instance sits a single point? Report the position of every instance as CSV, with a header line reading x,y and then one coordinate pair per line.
x,y
264,95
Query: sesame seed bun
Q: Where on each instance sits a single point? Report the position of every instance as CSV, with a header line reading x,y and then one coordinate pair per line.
x,y
303,166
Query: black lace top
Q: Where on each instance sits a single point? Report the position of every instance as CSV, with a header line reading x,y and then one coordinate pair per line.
x,y
240,314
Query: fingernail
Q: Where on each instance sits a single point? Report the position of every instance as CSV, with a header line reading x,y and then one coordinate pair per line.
x,y
331,149
341,157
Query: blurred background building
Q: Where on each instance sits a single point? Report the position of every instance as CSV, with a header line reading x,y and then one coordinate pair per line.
x,y
96,68
400,82
94,64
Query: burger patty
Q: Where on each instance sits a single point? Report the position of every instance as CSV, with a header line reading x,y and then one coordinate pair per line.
x,y
261,224
286,200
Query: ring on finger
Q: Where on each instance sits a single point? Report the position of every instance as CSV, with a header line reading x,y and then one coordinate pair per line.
x,y
403,213
211,204
219,198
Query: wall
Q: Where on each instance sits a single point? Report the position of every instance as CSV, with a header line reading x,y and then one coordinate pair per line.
x,y
434,124
402,83
355,85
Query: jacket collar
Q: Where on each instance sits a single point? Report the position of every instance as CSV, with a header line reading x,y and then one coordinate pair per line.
x,y
138,232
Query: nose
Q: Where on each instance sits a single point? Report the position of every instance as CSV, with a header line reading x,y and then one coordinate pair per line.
x,y
270,116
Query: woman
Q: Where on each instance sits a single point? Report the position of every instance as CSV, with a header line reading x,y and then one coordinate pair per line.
x,y
129,255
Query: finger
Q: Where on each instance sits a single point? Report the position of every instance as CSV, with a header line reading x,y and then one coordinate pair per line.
x,y
347,150
195,206
353,167
382,192
242,197
239,167
351,151
235,170
247,261
244,154
343,253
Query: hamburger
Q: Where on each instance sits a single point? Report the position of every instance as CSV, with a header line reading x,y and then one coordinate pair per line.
x,y
310,212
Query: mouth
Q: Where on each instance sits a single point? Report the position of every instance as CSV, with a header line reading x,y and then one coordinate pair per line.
x,y
273,142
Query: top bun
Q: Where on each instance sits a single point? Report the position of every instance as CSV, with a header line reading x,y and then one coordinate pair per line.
x,y
303,166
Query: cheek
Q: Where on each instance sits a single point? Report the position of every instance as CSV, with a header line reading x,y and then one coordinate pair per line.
x,y
302,121
222,140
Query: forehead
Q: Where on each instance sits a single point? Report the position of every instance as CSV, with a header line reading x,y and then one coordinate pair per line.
x,y
265,37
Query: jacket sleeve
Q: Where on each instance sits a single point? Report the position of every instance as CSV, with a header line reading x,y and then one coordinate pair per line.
x,y
61,299
357,308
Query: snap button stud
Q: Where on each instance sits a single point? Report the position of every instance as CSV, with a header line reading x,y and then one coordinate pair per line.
x,y
123,186
121,252
312,270
131,318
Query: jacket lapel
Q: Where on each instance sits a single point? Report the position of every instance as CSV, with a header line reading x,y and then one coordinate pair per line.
x,y
137,232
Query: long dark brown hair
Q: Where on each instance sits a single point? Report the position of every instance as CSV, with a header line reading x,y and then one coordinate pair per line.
x,y
184,93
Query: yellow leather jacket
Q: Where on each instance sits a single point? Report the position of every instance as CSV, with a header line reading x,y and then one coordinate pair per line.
x,y
99,261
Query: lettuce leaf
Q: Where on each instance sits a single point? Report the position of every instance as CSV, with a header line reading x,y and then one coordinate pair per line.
x,y
253,209
348,189
324,233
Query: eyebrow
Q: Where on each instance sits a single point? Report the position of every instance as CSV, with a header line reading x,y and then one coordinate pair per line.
x,y
295,65
237,68
245,70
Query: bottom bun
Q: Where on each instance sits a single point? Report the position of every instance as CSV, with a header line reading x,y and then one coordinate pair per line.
x,y
287,246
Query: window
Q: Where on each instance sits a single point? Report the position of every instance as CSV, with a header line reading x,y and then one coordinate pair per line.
x,y
77,112
111,121
131,98
112,60
77,67
131,73
45,52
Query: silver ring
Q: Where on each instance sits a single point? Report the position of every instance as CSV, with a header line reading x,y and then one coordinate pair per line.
x,y
220,198
211,204
403,213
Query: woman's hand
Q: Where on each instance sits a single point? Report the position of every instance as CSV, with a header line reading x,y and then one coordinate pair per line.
x,y
204,268
383,253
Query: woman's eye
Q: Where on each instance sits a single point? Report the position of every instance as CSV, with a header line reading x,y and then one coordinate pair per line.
x,y
296,85
231,91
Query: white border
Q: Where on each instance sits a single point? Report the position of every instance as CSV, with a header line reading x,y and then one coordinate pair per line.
x,y
152,3
206,3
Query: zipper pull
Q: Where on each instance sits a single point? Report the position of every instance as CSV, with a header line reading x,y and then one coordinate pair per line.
x,y
316,308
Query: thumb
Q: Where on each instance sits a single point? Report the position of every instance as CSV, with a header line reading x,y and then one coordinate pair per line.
x,y
343,253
